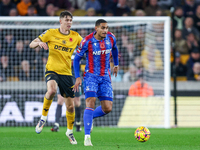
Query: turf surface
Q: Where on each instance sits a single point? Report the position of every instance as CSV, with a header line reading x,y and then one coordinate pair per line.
x,y
25,138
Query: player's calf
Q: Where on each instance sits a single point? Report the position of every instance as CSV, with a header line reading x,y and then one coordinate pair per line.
x,y
78,127
92,126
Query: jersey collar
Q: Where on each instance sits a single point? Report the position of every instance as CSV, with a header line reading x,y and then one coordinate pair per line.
x,y
63,33
95,38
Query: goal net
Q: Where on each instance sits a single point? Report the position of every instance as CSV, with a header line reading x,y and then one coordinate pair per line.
x,y
144,47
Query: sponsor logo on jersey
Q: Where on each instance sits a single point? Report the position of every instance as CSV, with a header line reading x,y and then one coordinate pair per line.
x,y
62,48
64,42
70,39
102,52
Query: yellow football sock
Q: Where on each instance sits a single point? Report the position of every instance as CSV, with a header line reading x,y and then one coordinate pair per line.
x,y
46,106
70,119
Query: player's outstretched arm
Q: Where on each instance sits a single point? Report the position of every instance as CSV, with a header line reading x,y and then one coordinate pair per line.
x,y
111,57
36,42
77,83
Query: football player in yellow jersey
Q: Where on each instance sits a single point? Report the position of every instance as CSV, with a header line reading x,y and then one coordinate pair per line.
x,y
61,43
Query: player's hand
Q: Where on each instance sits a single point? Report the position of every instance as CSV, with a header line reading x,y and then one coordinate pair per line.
x,y
115,70
77,83
43,45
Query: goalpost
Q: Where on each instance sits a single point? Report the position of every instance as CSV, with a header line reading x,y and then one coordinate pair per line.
x,y
144,46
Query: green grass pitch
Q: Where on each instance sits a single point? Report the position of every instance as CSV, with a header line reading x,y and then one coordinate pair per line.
x,y
103,138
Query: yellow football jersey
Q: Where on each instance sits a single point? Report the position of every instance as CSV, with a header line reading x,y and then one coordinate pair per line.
x,y
61,48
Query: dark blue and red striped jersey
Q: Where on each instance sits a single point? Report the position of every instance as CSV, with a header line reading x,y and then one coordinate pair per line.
x,y
98,53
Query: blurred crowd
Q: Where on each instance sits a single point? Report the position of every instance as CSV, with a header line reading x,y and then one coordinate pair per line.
x,y
19,62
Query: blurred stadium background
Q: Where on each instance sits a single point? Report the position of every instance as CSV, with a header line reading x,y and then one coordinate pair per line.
x,y
146,44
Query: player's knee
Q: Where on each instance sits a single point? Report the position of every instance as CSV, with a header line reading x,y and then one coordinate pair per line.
x,y
90,102
70,108
52,92
60,100
107,109
77,104
77,101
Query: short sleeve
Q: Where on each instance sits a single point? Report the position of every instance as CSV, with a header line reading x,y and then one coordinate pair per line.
x,y
114,41
79,39
44,37
83,47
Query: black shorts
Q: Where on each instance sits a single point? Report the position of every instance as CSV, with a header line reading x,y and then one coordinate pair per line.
x,y
77,93
65,83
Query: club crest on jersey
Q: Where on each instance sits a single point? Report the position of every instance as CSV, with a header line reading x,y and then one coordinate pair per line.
x,y
64,42
70,39
107,42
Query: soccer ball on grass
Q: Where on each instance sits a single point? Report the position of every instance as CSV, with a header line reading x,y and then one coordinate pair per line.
x,y
142,134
